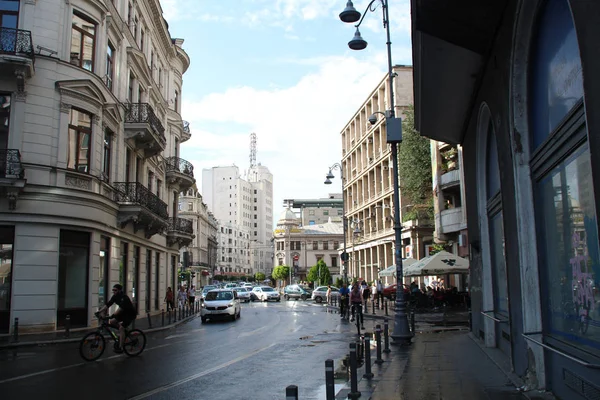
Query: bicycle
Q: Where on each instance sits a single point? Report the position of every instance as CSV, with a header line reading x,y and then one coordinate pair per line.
x,y
344,307
93,344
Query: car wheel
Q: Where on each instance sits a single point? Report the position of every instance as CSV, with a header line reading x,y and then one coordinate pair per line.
x,y
318,300
286,297
303,297
234,317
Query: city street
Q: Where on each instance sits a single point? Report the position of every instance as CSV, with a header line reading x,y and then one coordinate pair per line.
x,y
271,346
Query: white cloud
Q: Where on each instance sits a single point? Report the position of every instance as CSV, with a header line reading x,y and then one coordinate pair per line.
x,y
298,127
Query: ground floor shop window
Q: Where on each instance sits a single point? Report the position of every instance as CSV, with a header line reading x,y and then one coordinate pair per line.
x,y
133,278
7,234
570,264
103,271
73,263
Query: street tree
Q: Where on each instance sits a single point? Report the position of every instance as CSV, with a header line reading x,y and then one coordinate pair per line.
x,y
414,170
281,272
259,276
319,273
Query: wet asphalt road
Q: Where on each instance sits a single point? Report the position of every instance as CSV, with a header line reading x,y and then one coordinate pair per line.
x,y
270,347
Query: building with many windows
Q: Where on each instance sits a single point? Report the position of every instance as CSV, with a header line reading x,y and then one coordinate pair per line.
x,y
244,209
515,83
90,170
301,247
317,211
368,190
200,255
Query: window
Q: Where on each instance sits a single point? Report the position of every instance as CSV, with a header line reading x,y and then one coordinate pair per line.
x,y
255,208
190,206
135,24
336,245
132,287
83,42
107,155
142,35
73,277
9,18
129,14
176,101
325,212
340,212
80,130
333,262
325,245
130,87
110,50
315,245
156,280
158,187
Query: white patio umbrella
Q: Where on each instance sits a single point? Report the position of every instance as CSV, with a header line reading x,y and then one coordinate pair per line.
x,y
438,264
391,270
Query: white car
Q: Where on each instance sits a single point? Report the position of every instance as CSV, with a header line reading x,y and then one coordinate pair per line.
x,y
266,293
221,303
243,294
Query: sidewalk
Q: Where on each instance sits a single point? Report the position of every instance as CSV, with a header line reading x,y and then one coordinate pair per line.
x,y
155,324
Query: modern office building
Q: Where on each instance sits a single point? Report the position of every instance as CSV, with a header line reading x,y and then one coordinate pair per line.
x,y
368,186
244,208
301,247
317,211
201,254
515,82
90,170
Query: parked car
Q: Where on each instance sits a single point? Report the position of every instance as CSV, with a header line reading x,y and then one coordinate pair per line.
x,y
266,293
389,292
296,292
243,294
220,303
319,295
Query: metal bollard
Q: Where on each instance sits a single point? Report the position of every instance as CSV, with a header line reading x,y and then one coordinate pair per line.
x,y
67,326
366,306
169,314
16,330
386,336
368,374
379,360
291,392
162,312
412,320
149,320
373,305
386,308
354,393
174,314
359,351
329,380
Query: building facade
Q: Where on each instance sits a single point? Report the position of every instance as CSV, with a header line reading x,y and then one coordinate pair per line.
x,y
90,170
301,247
317,211
520,85
244,209
368,186
200,254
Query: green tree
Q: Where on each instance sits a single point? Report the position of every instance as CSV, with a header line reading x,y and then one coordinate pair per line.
x,y
281,272
259,276
319,273
414,166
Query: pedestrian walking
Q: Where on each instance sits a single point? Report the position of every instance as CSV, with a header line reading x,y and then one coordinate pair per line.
x,y
169,299
379,293
192,295
328,294
182,297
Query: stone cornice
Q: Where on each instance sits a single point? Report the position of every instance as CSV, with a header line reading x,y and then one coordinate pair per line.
x,y
161,26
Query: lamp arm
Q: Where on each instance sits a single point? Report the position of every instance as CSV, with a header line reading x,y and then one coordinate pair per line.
x,y
369,8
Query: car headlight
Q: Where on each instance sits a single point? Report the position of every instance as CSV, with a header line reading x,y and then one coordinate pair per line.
x,y
203,305
230,305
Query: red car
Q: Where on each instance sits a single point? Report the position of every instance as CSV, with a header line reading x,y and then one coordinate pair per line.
x,y
390,291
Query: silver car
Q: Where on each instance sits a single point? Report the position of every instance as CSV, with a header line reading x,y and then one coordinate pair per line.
x,y
266,293
243,294
220,303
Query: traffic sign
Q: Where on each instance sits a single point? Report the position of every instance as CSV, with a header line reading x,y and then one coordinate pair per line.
x,y
345,256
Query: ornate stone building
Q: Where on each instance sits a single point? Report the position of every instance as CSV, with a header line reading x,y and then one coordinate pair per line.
x,y
90,169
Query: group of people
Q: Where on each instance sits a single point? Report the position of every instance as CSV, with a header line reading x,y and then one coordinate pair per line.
x,y
355,297
184,296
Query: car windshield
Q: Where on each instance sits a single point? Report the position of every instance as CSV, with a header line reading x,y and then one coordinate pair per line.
x,y
208,288
219,296
268,289
241,290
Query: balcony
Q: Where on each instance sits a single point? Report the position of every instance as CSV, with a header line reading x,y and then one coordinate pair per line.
x,y
450,220
16,54
180,173
12,176
141,207
449,179
186,132
180,231
143,126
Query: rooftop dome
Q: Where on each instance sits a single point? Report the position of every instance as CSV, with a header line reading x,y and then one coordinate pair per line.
x,y
287,217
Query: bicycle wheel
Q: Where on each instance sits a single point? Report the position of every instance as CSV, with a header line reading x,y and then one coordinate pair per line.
x,y
92,346
135,343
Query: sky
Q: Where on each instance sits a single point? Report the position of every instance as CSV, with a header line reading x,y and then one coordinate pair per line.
x,y
281,69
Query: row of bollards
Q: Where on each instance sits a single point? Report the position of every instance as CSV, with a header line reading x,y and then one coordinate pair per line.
x,y
360,351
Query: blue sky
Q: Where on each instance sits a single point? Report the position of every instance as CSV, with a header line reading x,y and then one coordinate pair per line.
x,y
281,69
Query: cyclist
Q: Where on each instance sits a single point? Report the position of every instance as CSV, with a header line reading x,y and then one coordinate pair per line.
x,y
124,315
344,293
356,300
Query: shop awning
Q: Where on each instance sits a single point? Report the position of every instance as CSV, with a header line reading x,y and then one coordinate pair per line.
x,y
441,263
391,270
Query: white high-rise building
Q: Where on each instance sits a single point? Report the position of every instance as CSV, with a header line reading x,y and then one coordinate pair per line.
x,y
244,209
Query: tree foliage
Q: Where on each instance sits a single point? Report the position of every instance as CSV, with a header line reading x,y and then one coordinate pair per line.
x,y
259,276
414,166
281,272
319,273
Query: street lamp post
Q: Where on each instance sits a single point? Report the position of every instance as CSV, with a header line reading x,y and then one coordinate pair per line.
x,y
328,179
401,334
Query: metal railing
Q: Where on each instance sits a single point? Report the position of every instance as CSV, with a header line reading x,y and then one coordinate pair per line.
x,y
180,165
16,42
181,225
10,164
186,127
135,192
143,113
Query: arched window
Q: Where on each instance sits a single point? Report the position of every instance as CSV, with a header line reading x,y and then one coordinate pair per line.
x,y
562,183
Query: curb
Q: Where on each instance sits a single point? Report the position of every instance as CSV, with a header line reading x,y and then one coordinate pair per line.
x,y
77,339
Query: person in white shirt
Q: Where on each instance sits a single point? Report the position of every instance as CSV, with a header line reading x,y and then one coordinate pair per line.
x,y
192,295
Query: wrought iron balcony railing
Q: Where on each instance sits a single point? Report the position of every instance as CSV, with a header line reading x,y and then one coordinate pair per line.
x,y
181,225
186,127
135,192
176,164
143,113
16,42
10,164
